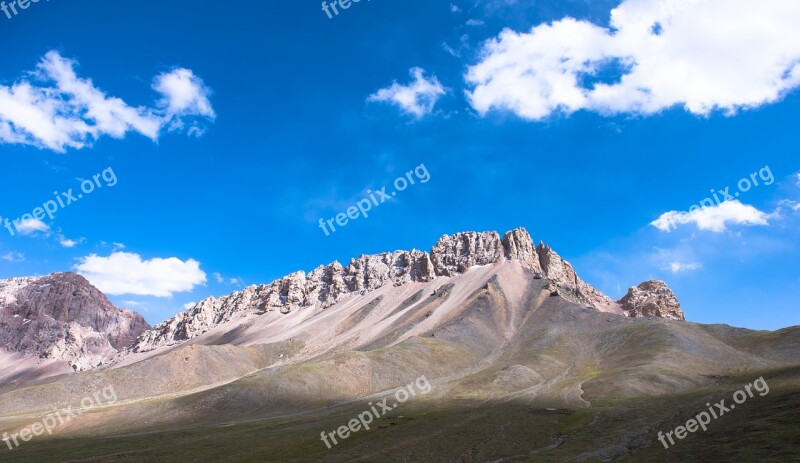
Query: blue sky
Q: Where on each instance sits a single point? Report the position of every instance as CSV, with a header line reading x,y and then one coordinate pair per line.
x,y
232,129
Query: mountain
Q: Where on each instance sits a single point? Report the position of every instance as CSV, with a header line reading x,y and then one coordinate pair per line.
x,y
63,322
449,259
503,352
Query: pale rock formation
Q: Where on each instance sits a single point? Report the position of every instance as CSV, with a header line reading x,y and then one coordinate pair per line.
x,y
652,299
456,254
63,317
518,245
559,270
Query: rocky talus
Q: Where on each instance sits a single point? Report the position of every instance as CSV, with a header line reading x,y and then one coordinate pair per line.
x,y
63,317
451,256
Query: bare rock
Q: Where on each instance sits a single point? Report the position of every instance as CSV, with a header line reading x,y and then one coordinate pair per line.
x,y
555,268
63,317
518,245
456,254
652,299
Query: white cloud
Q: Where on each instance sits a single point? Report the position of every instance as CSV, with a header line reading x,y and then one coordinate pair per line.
x,y
678,267
189,305
29,227
798,178
53,108
793,205
118,245
68,243
475,22
450,50
417,98
13,257
219,277
714,218
185,95
703,55
127,273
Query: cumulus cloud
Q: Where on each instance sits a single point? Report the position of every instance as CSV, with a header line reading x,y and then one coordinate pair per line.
x,y
417,98
702,55
127,273
713,218
53,108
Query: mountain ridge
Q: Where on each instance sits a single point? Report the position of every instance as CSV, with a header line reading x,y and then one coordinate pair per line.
x,y
452,255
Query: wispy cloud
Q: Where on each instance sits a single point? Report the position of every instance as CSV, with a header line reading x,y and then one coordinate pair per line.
x,y
69,243
417,98
13,256
30,227
52,108
679,267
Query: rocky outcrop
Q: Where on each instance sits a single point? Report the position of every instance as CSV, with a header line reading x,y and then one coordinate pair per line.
x,y
518,245
456,254
327,285
63,317
555,268
652,299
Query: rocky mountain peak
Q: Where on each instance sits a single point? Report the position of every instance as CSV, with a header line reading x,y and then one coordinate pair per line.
x,y
652,299
63,317
455,254
518,245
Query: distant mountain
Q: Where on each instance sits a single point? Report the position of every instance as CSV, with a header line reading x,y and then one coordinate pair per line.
x,y
63,318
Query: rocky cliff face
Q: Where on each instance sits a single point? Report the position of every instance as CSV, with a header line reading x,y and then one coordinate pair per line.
x,y
455,254
62,316
518,245
652,299
327,285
